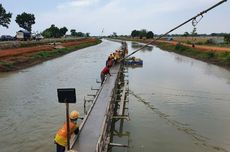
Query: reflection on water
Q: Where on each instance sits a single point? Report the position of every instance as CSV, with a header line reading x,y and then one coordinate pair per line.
x,y
136,45
207,68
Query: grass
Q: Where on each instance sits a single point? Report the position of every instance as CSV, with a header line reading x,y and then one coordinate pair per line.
x,y
224,56
7,65
59,52
18,44
210,56
200,41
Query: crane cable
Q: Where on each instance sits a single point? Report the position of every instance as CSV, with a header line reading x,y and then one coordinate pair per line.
x,y
194,22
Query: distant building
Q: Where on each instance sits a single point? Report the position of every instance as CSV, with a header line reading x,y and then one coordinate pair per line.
x,y
169,38
23,35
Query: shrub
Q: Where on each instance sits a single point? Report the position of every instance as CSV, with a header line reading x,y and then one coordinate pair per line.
x,y
181,48
226,56
227,39
7,64
210,55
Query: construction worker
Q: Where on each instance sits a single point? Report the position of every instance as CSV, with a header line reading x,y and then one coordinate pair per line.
x,y
117,55
104,72
61,136
109,62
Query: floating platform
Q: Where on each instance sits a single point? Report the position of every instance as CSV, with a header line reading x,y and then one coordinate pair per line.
x,y
133,62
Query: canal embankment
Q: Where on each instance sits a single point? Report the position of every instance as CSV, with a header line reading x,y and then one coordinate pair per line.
x,y
22,57
210,54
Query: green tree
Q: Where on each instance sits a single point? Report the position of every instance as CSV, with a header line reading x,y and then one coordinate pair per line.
x,y
63,31
54,32
227,38
25,21
80,34
186,34
149,35
87,34
134,33
143,33
4,17
73,32
46,33
114,34
194,33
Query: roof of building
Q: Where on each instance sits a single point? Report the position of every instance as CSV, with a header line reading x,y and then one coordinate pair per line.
x,y
24,31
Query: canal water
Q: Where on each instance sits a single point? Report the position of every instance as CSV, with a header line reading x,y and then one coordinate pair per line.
x,y
177,104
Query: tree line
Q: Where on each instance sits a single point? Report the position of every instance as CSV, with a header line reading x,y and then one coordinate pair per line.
x,y
55,32
26,20
142,33
149,34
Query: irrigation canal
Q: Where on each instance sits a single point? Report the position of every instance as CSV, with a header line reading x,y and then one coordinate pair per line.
x,y
176,103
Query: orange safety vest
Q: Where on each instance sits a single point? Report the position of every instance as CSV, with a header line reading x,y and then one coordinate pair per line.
x,y
61,136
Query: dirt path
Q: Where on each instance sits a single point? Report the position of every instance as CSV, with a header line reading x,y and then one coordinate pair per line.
x,y
21,51
199,47
26,50
19,58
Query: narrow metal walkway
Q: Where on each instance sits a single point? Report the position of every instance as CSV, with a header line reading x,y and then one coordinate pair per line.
x,y
91,130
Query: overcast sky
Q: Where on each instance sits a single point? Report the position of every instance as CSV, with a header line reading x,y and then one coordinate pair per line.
x,y
120,16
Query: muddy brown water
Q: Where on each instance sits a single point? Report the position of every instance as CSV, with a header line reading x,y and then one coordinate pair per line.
x,y
177,104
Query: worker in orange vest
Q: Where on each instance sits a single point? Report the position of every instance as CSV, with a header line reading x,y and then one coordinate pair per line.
x,y
61,136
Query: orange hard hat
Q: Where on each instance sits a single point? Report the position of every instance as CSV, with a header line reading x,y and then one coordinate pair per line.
x,y
74,114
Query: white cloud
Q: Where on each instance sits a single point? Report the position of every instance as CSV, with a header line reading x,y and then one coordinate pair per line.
x,y
76,3
122,16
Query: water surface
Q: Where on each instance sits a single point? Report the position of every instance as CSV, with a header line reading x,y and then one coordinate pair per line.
x,y
178,104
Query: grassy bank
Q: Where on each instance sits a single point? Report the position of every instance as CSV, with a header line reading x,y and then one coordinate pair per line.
x,y
18,44
20,62
218,58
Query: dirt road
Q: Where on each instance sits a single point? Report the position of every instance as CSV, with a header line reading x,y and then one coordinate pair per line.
x,y
200,47
26,50
18,58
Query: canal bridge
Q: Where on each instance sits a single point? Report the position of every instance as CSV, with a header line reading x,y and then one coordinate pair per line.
x,y
108,107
